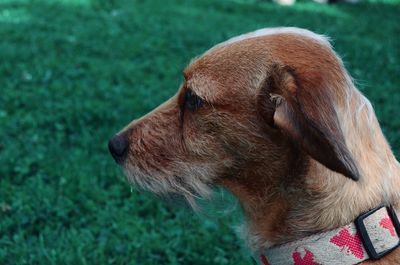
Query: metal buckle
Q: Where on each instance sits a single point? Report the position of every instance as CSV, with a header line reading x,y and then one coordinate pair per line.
x,y
366,240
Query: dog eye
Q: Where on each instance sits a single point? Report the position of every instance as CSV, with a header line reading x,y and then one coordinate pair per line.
x,y
192,102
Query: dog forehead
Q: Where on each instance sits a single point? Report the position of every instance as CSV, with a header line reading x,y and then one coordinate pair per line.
x,y
222,72
242,62
219,81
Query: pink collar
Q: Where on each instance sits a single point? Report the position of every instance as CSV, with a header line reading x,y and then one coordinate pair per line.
x,y
371,236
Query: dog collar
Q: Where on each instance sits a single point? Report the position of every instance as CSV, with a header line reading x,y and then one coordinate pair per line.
x,y
371,236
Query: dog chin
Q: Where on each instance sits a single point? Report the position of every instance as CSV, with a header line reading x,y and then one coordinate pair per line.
x,y
189,187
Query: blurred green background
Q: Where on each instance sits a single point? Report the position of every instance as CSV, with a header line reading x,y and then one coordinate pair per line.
x,y
73,72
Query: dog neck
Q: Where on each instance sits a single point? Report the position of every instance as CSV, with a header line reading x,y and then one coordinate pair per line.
x,y
304,197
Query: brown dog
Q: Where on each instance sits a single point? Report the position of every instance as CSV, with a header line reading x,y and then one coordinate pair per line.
x,y
274,117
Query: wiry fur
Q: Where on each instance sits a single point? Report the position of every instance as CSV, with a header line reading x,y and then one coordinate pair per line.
x,y
197,187
282,126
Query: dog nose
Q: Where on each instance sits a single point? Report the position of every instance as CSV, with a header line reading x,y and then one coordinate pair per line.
x,y
118,146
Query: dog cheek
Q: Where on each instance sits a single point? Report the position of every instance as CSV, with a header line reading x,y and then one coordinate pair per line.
x,y
202,147
202,138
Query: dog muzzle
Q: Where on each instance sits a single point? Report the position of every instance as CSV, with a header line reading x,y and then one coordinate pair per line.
x,y
372,235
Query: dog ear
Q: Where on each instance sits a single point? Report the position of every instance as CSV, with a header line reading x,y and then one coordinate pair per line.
x,y
308,117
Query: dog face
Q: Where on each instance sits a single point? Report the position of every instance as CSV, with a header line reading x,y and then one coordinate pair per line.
x,y
206,132
250,106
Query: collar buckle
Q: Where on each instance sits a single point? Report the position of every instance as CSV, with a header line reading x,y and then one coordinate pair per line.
x,y
365,238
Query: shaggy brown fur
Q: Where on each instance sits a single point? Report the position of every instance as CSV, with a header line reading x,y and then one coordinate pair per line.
x,y
279,124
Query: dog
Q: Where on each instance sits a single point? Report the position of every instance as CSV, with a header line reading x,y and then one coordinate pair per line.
x,y
274,117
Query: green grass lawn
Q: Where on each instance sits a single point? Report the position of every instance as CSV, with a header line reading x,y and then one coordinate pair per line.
x,y
73,72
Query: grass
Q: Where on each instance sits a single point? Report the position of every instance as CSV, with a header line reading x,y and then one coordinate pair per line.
x,y
73,72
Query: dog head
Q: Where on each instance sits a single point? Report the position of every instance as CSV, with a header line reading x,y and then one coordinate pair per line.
x,y
261,104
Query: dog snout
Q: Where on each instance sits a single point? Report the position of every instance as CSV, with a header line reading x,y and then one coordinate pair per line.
x,y
118,146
